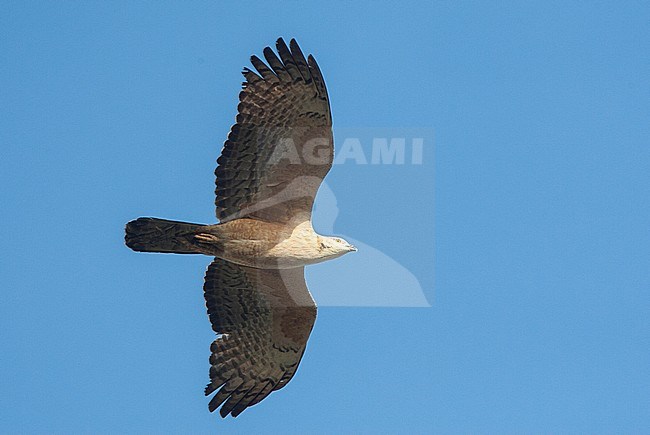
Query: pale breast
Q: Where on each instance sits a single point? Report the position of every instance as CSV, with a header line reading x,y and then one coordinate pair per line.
x,y
299,249
268,245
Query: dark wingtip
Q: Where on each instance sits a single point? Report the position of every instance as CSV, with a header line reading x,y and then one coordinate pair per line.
x,y
268,51
213,405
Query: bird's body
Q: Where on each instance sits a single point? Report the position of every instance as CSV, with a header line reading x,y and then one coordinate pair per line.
x,y
244,241
269,171
269,245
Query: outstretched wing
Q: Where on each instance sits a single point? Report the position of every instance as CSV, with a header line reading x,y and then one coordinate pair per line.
x,y
281,147
264,317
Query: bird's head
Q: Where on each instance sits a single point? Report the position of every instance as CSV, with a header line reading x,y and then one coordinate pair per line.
x,y
332,247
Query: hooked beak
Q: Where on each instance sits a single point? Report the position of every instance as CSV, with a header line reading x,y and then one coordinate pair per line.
x,y
353,248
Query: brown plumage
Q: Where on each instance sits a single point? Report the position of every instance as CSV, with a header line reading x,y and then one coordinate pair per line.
x,y
269,171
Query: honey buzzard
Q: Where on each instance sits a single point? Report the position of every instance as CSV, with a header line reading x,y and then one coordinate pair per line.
x,y
270,168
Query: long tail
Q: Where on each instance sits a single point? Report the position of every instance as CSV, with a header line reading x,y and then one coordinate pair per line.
x,y
160,235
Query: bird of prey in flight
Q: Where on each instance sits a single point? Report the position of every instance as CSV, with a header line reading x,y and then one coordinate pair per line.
x,y
271,166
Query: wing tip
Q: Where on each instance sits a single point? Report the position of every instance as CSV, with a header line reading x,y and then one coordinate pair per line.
x,y
293,44
268,51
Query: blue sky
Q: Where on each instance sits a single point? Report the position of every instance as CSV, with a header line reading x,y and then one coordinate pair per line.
x,y
525,226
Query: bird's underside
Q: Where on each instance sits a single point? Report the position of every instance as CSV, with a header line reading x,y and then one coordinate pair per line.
x,y
243,241
269,171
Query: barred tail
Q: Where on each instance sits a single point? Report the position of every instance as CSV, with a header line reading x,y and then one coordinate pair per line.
x,y
160,235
